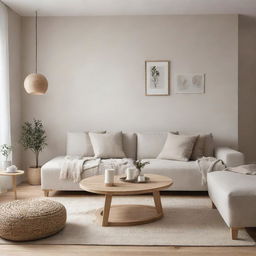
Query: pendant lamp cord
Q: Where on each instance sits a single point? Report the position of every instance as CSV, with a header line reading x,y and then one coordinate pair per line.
x,y
36,40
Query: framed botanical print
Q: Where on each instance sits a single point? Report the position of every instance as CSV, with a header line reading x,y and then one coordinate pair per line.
x,y
157,78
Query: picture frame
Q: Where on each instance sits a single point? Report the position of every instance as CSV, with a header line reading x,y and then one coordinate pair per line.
x,y
157,77
189,83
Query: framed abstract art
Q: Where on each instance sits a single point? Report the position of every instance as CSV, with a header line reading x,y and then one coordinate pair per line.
x,y
189,83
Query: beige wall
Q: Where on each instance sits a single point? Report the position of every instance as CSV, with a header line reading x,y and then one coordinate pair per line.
x,y
247,86
95,68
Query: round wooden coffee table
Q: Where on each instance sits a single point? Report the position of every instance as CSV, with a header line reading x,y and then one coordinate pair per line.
x,y
126,215
13,175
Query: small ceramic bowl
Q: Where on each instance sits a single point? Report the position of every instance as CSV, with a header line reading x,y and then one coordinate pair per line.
x,y
11,168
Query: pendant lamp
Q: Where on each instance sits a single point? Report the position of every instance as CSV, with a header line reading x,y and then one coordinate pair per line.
x,y
36,83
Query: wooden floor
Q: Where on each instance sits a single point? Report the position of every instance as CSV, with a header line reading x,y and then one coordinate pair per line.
x,y
26,191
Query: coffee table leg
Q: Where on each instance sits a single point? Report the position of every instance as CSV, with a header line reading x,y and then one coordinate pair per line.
x,y
106,210
14,186
158,203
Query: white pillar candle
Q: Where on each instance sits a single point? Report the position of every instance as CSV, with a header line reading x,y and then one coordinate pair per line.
x,y
131,173
141,178
109,177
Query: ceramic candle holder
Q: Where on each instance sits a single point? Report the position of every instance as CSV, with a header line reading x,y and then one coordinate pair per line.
x,y
131,173
109,177
141,178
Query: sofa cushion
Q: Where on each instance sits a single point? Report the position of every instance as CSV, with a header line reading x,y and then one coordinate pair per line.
x,y
130,144
50,173
108,145
204,146
150,144
209,145
185,175
234,195
198,150
178,147
79,144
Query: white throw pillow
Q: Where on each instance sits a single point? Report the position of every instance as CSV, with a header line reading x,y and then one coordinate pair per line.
x,y
108,145
178,147
150,144
79,144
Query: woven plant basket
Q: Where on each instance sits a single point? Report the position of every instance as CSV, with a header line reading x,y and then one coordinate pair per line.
x,y
34,176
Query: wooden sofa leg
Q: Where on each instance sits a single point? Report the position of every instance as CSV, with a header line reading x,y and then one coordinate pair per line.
x,y
213,205
46,193
234,233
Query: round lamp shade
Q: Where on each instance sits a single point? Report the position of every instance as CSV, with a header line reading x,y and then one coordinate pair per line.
x,y
36,84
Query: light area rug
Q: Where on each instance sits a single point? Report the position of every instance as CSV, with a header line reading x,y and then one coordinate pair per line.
x,y
188,221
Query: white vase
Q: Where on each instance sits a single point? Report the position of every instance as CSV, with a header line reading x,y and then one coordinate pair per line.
x,y
5,164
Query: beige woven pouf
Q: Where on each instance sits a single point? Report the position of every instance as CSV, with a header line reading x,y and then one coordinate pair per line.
x,y
24,220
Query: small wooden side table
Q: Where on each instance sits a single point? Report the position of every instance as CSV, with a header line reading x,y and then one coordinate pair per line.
x,y
13,175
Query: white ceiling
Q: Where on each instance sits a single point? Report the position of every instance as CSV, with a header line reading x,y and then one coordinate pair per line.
x,y
130,7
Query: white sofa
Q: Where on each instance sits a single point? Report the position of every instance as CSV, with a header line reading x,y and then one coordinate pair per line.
x,y
145,146
234,195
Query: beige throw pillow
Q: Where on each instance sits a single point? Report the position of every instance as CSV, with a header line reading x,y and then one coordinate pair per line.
x,y
198,150
209,145
149,144
178,147
79,144
204,146
108,145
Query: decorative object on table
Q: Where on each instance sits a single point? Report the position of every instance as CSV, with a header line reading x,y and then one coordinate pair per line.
x,y
157,77
131,174
189,83
109,177
139,164
40,218
134,174
13,175
5,151
33,137
12,169
136,180
141,178
36,83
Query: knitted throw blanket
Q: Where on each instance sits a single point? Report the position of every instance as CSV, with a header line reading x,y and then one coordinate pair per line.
x,y
209,164
248,169
74,167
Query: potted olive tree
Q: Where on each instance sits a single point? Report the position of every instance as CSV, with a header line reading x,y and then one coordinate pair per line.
x,y
33,137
